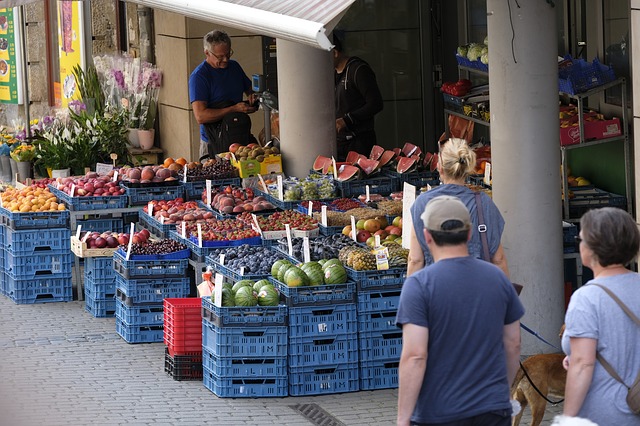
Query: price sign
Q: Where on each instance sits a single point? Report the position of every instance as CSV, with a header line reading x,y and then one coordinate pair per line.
x,y
217,289
200,235
262,184
306,252
408,198
366,191
150,209
256,225
115,176
376,239
184,178
280,188
335,168
208,184
289,240
221,258
242,270
184,230
353,229
310,208
131,232
162,220
78,231
487,174
73,188
323,215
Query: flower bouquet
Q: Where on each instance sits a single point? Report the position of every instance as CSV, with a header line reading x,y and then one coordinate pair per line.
x,y
23,153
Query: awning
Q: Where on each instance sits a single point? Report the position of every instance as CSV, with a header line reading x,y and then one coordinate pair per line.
x,y
303,21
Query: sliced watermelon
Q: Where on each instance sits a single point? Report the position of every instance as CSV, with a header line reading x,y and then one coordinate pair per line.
x,y
376,152
352,157
410,149
320,163
368,166
348,172
386,158
428,157
397,151
405,164
434,163
328,170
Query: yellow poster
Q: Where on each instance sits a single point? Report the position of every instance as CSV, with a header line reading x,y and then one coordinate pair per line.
x,y
71,46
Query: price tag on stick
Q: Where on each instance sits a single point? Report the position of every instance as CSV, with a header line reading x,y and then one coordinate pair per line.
x,y
353,229
73,189
208,184
280,188
150,209
366,191
323,215
184,178
306,252
115,176
184,229
310,209
132,230
289,241
335,168
78,231
221,258
217,289
263,186
200,235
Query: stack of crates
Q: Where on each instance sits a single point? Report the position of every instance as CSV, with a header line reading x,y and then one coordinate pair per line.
x,y
3,279
323,338
100,286
141,287
37,257
244,350
183,337
380,340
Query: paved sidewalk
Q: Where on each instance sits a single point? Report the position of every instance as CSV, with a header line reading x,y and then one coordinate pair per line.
x,y
61,366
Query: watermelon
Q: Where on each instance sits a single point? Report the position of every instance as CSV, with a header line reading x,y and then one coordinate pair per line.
x,y
322,261
320,163
316,275
276,265
352,157
295,277
376,152
333,261
245,296
386,158
309,264
268,296
281,271
410,149
242,283
397,151
369,167
348,172
405,164
228,299
259,284
335,274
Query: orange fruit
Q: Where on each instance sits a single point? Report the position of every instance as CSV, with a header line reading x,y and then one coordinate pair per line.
x,y
181,161
168,161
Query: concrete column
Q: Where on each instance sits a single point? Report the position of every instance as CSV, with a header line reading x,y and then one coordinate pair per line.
x,y
306,106
635,84
526,159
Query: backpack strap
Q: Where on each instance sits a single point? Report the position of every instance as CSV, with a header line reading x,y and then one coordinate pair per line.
x,y
482,229
635,319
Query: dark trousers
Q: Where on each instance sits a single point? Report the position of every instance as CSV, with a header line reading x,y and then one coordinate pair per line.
x,y
361,143
493,418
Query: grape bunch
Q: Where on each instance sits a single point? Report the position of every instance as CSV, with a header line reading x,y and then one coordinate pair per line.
x,y
164,246
221,169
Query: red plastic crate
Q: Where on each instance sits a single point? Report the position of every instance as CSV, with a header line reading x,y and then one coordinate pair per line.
x,y
183,325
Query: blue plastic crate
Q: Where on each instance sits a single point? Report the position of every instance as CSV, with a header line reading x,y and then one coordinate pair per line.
x,y
328,294
154,226
325,379
244,367
462,60
99,308
382,374
134,269
588,197
141,196
197,253
330,230
383,185
378,300
115,224
142,291
380,345
140,314
378,279
34,220
241,387
56,263
243,316
323,350
578,75
193,190
245,342
39,290
379,321
418,179
90,203
569,233
214,261
3,281
35,241
319,321
2,232
139,333
101,289
99,269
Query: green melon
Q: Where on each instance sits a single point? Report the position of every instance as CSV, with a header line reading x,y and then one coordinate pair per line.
x,y
268,296
316,276
259,284
322,262
330,262
245,296
295,277
281,271
228,298
242,283
335,274
276,265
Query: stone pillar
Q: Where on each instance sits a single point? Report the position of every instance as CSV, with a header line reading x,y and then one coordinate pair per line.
x,y
306,106
526,159
635,84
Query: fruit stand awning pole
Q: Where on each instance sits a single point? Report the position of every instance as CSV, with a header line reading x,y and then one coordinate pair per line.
x,y
302,21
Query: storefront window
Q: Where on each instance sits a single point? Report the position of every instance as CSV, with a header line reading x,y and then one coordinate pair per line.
x,y
616,42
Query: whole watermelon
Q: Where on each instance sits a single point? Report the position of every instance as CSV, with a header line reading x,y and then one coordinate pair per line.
x,y
228,300
242,283
282,270
259,284
333,261
276,265
335,274
245,296
315,274
295,277
268,296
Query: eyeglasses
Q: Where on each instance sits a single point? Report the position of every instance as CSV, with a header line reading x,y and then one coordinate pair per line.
x,y
222,57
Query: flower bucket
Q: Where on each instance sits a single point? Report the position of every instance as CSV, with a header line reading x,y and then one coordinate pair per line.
x,y
5,168
14,168
59,173
132,134
146,138
24,170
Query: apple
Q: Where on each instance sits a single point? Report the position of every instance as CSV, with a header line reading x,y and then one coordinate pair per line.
x,y
397,221
362,236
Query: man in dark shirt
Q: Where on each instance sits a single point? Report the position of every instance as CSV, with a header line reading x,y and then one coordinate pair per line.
x,y
358,100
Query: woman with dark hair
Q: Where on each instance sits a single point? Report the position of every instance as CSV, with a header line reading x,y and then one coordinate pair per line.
x,y
455,162
597,327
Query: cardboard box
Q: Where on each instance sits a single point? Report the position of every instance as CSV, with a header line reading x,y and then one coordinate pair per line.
x,y
271,164
592,130
249,168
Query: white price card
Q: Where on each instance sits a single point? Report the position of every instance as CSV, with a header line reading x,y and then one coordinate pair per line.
x,y
366,192
162,220
184,178
487,173
408,198
132,230
323,215
217,289
78,231
103,168
306,252
200,235
376,239
310,208
73,189
289,240
242,270
86,237
115,176
280,188
353,229
335,168
184,229
1,205
263,185
221,259
150,209
256,225
208,184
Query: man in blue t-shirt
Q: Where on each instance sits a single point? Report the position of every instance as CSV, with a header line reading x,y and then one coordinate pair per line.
x,y
216,86
460,319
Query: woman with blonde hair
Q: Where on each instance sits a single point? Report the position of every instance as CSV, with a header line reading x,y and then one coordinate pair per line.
x,y
456,161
